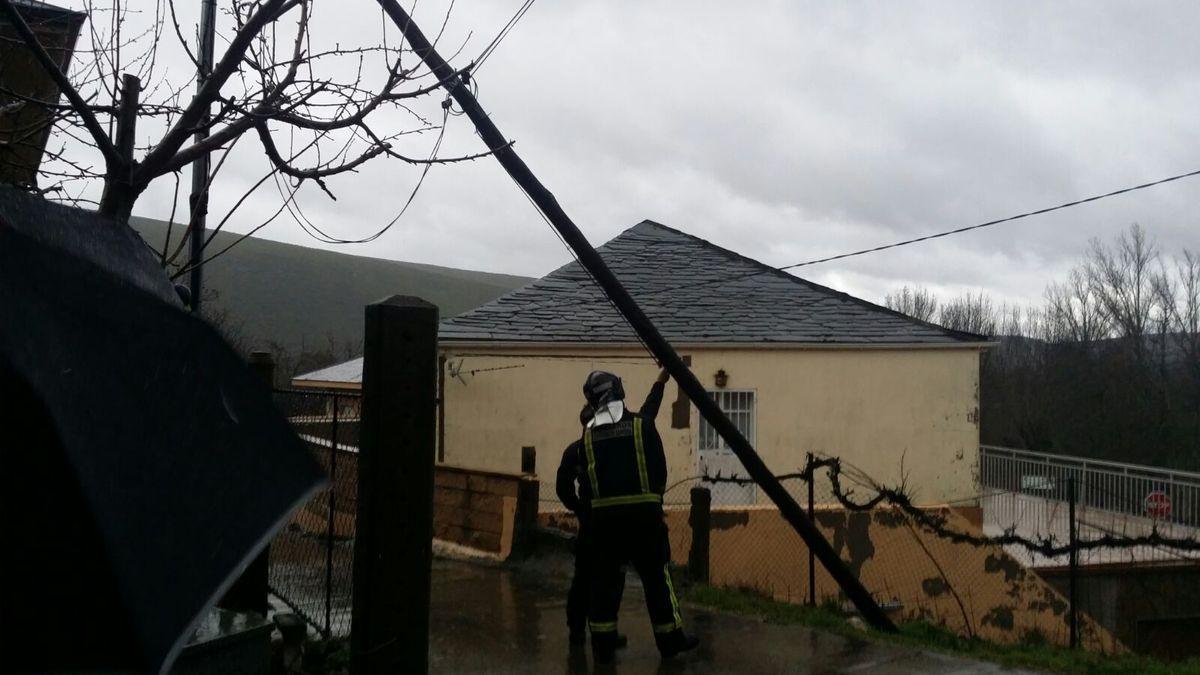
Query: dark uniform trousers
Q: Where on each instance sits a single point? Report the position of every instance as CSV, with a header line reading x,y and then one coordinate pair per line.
x,y
579,596
633,534
580,591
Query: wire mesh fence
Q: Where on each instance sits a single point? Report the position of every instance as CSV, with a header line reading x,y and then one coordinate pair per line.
x,y
312,558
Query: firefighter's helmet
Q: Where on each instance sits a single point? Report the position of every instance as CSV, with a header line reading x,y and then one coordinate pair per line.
x,y
602,388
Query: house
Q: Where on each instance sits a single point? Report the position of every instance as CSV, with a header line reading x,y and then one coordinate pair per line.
x,y
24,126
799,367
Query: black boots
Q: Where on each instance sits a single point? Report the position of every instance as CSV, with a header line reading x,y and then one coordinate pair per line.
x,y
669,645
676,642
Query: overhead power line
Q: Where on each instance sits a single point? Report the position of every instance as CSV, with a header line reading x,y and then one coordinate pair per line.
x,y
990,223
512,22
816,261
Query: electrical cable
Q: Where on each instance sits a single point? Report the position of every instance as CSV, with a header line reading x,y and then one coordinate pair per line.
x,y
990,223
315,232
768,269
512,22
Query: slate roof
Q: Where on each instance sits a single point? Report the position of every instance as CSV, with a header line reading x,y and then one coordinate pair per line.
x,y
695,292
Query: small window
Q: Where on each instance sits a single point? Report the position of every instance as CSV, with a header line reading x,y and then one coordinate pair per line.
x,y
739,407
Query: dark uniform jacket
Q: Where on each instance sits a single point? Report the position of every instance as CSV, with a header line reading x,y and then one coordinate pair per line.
x,y
574,465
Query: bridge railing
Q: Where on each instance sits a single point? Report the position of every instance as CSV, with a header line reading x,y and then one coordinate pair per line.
x,y
1164,495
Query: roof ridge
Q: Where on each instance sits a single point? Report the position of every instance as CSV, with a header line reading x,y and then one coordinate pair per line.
x,y
964,335
547,295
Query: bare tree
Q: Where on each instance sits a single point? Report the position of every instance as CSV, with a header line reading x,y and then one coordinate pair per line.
x,y
970,313
917,302
1123,280
1186,309
1059,381
1073,312
317,109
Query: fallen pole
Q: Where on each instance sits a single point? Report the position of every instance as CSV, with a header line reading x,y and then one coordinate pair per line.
x,y
655,342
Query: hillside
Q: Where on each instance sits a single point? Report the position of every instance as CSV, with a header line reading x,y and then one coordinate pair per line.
x,y
303,297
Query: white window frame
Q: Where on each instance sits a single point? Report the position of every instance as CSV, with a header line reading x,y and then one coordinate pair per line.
x,y
717,396
728,494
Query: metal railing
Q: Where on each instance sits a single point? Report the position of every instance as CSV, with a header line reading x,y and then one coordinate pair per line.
x,y
1162,495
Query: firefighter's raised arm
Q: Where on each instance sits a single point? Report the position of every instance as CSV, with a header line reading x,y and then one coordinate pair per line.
x,y
654,399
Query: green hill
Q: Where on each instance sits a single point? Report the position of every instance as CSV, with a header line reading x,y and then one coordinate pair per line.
x,y
304,298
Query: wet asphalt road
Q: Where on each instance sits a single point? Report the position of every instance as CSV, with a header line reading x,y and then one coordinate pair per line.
x,y
512,620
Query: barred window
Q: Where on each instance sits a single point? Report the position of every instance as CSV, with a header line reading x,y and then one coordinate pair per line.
x,y
739,407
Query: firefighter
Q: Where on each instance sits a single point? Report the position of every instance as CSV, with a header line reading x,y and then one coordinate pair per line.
x,y
626,475
572,470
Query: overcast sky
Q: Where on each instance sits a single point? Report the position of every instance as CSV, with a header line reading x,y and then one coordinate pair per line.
x,y
788,131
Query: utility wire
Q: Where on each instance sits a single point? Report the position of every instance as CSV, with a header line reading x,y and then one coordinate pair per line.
x,y
512,22
1027,214
767,269
311,229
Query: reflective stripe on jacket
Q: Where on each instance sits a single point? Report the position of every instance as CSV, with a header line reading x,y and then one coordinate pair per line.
x,y
616,464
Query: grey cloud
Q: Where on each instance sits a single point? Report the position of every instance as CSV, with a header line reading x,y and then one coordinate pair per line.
x,y
789,131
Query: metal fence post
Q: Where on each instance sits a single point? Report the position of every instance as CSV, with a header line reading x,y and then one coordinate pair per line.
x,y
1073,616
700,519
812,569
393,546
329,525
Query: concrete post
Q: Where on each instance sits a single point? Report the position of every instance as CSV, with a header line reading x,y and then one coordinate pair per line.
x,y
393,544
249,592
701,521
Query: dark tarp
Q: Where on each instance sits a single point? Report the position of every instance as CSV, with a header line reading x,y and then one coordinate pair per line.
x,y
142,465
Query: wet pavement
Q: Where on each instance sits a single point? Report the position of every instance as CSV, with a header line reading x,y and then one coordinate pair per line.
x,y
512,620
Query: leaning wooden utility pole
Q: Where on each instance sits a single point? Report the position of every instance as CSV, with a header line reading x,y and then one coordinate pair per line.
x,y
654,340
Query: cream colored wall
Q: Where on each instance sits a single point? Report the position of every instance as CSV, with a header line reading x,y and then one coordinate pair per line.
x,y
881,410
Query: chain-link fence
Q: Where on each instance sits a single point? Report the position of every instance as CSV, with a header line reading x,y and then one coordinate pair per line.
x,y
312,558
997,565
1129,531
1061,556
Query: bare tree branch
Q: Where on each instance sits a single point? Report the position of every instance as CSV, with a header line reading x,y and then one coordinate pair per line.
x,y
152,165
